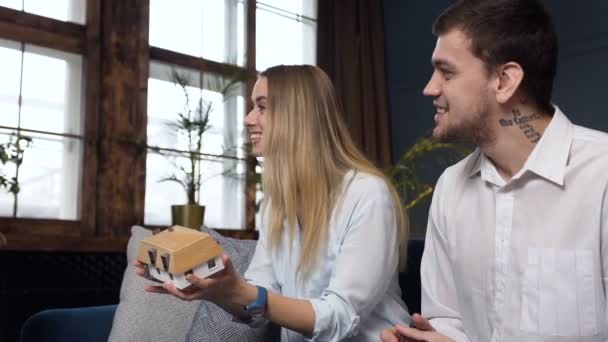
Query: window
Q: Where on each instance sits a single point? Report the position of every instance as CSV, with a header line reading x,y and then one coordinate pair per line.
x,y
223,186
187,36
64,10
285,32
81,81
212,29
41,96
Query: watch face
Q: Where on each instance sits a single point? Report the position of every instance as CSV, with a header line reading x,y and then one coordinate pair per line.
x,y
256,311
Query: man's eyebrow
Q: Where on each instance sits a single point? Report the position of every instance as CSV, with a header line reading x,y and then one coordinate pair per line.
x,y
442,64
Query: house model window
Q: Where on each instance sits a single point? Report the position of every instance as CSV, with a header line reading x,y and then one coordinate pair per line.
x,y
176,252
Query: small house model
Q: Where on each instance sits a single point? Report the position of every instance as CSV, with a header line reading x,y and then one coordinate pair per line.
x,y
176,252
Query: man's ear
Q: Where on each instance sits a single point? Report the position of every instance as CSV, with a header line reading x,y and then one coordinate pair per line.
x,y
508,79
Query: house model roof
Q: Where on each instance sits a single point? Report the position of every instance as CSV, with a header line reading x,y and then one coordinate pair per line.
x,y
178,249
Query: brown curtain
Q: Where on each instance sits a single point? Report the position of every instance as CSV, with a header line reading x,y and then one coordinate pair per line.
x,y
350,48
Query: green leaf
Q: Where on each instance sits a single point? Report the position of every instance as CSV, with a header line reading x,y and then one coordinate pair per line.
x,y
424,154
13,152
14,187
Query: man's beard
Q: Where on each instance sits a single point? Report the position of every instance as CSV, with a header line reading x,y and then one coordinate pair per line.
x,y
473,130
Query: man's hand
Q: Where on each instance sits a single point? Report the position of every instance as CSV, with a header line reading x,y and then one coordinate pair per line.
x,y
391,335
423,331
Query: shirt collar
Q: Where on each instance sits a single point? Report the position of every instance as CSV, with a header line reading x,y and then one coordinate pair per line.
x,y
550,156
479,163
548,159
475,162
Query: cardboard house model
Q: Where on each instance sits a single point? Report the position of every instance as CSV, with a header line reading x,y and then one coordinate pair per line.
x,y
177,251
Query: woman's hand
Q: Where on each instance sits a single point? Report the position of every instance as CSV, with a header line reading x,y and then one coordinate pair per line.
x,y
226,287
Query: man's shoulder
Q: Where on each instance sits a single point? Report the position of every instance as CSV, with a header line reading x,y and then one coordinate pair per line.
x,y
590,142
591,135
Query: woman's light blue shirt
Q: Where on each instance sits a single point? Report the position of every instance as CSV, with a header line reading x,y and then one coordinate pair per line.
x,y
354,286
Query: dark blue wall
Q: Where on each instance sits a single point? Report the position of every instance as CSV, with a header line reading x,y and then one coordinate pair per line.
x,y
580,88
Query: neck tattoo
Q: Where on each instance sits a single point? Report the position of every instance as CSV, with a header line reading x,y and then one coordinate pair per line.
x,y
523,122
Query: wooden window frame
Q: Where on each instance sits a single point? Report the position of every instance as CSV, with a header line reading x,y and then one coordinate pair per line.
x,y
115,46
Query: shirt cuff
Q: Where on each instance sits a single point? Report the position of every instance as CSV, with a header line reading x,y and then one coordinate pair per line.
x,y
334,319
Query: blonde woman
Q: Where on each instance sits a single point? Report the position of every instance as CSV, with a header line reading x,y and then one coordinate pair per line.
x,y
326,263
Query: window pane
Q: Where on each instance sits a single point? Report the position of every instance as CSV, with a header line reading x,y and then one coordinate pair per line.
x,y
14,4
6,200
296,39
223,192
302,7
240,47
10,55
223,188
212,29
52,91
49,178
165,100
65,10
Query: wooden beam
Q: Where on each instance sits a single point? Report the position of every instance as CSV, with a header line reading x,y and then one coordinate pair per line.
x,y
192,62
26,227
41,242
92,98
121,178
33,29
20,242
250,9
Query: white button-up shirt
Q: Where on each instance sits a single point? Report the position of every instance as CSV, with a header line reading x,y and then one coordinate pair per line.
x,y
354,289
527,259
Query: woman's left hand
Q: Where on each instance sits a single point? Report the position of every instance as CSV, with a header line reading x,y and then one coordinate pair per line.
x,y
223,287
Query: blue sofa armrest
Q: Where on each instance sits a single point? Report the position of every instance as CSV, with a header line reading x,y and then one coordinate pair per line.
x,y
89,324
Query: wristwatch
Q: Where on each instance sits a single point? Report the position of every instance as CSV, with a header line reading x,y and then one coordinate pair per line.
x,y
257,308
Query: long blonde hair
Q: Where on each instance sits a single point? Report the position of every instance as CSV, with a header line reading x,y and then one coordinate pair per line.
x,y
307,152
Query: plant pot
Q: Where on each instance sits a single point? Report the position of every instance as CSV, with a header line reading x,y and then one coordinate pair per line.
x,y
188,215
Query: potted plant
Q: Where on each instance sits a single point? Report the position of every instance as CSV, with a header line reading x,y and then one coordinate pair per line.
x,y
426,153
190,125
12,152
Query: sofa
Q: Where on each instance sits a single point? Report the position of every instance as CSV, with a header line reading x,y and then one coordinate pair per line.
x,y
103,323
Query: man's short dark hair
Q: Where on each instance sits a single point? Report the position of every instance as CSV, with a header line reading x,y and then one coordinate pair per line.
x,y
502,31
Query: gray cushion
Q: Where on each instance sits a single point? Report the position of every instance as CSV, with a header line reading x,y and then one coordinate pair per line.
x,y
213,324
143,316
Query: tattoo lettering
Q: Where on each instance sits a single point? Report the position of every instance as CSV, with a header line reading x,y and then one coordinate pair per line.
x,y
523,121
505,122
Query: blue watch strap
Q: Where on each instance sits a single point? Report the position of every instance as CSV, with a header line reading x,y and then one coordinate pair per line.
x,y
257,308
